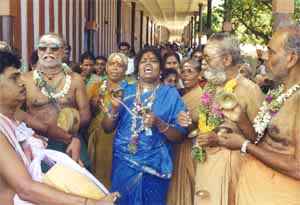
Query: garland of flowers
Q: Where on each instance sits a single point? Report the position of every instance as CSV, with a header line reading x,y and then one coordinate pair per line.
x,y
210,113
139,109
48,90
271,105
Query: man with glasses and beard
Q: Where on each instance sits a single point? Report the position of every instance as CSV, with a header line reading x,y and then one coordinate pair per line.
x,y
229,100
50,89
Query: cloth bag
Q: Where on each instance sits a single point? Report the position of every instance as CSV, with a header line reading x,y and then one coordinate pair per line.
x,y
65,174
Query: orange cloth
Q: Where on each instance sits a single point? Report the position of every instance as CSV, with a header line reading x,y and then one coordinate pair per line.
x,y
182,186
181,190
261,185
218,176
100,143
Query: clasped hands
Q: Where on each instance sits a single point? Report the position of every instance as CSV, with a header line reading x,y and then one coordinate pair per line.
x,y
214,138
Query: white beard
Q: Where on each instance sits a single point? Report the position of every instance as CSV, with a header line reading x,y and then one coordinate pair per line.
x,y
215,76
50,64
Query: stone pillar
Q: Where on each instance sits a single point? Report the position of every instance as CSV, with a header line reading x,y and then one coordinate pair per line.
x,y
282,12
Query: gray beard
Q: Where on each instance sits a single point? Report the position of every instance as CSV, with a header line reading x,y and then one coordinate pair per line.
x,y
215,76
51,64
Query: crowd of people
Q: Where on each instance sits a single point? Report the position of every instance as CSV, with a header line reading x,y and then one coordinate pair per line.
x,y
155,128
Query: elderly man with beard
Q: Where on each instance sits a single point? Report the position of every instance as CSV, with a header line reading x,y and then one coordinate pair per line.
x,y
216,177
50,88
271,172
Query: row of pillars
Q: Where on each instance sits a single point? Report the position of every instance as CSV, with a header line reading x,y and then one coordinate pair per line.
x,y
198,17
149,23
149,38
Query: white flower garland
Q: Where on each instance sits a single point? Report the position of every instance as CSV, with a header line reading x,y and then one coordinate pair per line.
x,y
138,108
264,116
42,85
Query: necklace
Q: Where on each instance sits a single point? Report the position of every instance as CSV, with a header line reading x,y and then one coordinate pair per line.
x,y
47,90
271,105
139,109
50,75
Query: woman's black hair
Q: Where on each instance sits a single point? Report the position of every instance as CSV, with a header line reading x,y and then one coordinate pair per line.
x,y
168,71
169,54
198,49
101,58
8,59
140,54
86,55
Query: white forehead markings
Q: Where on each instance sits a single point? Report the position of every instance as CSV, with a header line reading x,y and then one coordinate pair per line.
x,y
48,39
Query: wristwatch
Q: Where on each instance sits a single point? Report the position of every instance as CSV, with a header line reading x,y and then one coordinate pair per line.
x,y
244,146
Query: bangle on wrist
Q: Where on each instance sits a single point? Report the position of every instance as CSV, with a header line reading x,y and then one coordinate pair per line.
x,y
76,136
112,116
165,129
244,146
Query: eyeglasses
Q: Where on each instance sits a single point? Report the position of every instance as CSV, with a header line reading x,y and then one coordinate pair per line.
x,y
52,49
208,59
197,56
52,46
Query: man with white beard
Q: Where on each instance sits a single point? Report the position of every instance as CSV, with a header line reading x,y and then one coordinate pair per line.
x,y
51,88
216,176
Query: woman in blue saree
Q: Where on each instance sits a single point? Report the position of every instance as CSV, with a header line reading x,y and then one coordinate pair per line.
x,y
145,126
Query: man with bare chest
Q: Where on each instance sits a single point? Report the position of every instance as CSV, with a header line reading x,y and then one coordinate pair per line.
x,y
271,172
49,89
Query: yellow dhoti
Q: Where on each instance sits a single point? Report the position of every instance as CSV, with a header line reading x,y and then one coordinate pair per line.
x,y
261,185
218,176
100,150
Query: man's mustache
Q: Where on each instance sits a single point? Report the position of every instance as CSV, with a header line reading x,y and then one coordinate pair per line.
x,y
216,76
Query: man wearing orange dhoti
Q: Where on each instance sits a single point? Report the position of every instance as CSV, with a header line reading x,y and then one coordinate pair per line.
x,y
271,171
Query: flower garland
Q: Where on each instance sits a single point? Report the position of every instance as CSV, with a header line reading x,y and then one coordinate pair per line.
x,y
103,88
139,110
48,90
210,113
271,105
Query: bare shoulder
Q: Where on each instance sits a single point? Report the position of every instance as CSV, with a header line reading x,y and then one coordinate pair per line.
x,y
77,79
27,75
246,87
246,84
20,115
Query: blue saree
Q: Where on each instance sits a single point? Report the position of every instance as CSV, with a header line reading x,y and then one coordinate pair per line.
x,y
143,178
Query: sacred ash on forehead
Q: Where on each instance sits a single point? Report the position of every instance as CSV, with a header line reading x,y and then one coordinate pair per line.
x,y
51,39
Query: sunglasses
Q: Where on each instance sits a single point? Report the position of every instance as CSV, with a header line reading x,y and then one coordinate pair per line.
x,y
52,48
